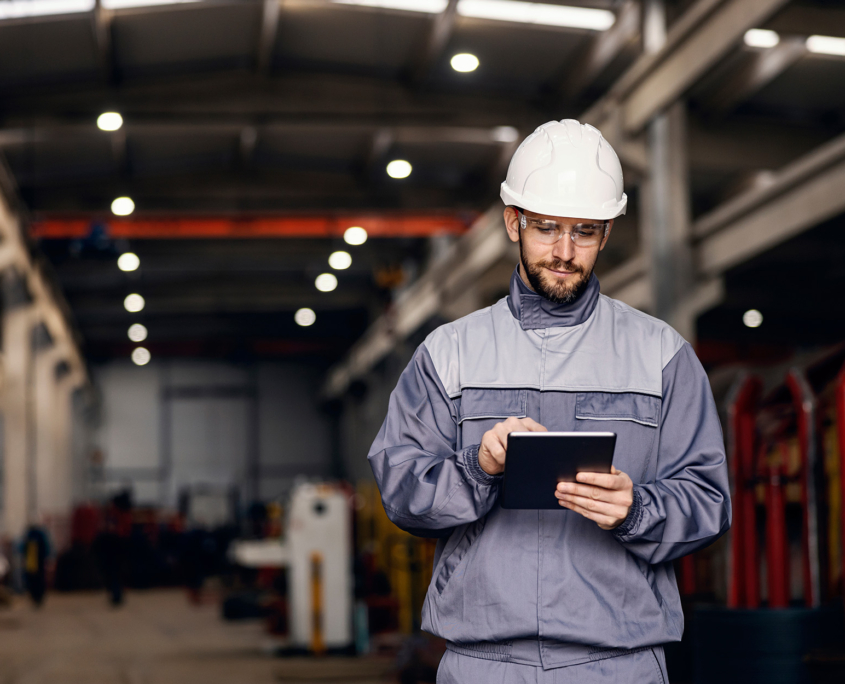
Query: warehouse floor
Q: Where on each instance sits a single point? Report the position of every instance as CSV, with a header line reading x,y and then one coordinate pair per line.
x,y
155,638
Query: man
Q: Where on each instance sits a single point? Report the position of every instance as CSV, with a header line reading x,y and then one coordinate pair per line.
x,y
587,593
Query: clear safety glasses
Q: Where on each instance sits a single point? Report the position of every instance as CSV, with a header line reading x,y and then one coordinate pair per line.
x,y
549,232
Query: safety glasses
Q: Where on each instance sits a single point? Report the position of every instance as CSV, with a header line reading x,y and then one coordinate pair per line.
x,y
548,232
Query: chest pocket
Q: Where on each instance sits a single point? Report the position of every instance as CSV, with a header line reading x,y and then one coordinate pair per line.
x,y
481,409
633,417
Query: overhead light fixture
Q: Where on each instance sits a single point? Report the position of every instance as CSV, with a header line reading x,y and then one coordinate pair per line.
x,y
399,168
464,62
141,356
109,121
538,13
426,6
826,45
126,4
128,261
340,261
305,317
20,9
505,134
355,235
122,206
134,303
137,332
752,318
761,38
326,282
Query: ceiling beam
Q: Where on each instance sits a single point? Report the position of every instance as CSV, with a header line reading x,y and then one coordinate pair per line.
x,y
438,37
603,50
763,67
101,23
802,20
269,29
184,228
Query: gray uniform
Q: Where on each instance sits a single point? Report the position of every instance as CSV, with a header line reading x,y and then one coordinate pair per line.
x,y
550,589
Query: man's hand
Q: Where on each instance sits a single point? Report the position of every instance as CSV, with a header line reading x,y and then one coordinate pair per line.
x,y
494,443
604,499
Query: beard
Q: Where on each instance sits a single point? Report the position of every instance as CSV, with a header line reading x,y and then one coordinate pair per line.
x,y
561,292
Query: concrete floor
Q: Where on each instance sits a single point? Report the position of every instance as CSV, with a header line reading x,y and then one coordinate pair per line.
x,y
155,638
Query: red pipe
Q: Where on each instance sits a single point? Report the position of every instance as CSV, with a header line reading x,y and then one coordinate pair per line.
x,y
777,544
743,581
688,583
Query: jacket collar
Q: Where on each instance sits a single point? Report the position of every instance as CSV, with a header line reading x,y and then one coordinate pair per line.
x,y
535,312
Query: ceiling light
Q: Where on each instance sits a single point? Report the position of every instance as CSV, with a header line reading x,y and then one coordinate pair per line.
x,y
398,168
122,206
505,134
141,356
125,4
134,303
752,318
464,62
128,262
137,332
305,317
355,235
326,282
427,6
761,38
109,121
826,45
538,13
340,261
18,9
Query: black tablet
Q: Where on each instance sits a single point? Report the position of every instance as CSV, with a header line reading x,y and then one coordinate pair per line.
x,y
537,461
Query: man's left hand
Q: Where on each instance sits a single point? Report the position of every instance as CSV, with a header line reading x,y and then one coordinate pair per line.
x,y
602,498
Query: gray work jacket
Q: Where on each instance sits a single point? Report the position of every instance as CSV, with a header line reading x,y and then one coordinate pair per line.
x,y
505,581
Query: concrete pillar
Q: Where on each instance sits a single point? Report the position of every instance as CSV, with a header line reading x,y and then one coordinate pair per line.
x,y
666,201
18,483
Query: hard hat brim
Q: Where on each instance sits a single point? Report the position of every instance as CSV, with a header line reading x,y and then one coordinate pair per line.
x,y
538,206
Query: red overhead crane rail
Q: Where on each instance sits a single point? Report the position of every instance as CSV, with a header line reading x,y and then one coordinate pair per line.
x,y
191,228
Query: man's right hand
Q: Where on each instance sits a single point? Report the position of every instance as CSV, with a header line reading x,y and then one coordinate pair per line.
x,y
494,443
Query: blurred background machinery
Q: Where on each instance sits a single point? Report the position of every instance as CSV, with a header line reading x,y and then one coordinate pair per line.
x,y
225,225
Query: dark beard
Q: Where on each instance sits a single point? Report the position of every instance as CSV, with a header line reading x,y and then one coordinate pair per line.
x,y
565,294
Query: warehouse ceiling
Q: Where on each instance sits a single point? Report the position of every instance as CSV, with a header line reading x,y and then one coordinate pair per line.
x,y
254,110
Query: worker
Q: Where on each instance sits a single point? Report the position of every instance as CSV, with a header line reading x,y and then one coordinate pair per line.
x,y
585,593
36,554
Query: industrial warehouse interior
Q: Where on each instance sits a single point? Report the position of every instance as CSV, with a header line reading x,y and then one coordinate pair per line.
x,y
227,227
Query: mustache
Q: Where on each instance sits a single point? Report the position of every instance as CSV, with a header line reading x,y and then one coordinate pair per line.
x,y
558,265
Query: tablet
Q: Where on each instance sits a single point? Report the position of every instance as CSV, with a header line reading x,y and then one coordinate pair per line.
x,y
537,461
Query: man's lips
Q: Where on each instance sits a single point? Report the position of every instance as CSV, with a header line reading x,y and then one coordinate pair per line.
x,y
560,273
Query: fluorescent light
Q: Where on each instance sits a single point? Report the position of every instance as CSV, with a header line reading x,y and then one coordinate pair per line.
x,y
426,6
326,282
464,62
399,168
340,261
355,235
122,206
752,318
134,303
538,13
18,9
109,121
761,38
126,4
128,261
141,356
505,134
137,332
826,45
305,317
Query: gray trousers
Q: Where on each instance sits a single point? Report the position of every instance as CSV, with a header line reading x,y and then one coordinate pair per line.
x,y
642,667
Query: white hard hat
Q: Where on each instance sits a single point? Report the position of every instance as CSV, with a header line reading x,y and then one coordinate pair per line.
x,y
566,168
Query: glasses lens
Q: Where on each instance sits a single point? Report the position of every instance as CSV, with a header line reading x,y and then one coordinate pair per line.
x,y
587,234
549,232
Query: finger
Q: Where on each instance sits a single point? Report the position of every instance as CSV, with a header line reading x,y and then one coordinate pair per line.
x,y
599,518
590,492
533,426
597,507
605,480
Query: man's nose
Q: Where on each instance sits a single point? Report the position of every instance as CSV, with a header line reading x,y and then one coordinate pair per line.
x,y
564,250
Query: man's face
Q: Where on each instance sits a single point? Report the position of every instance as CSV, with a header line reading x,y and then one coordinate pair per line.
x,y
559,271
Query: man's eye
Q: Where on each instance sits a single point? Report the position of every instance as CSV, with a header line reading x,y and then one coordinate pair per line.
x,y
545,230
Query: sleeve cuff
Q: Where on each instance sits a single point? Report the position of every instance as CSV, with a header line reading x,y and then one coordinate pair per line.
x,y
632,522
475,471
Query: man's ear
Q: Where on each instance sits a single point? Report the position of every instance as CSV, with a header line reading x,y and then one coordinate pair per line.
x,y
606,234
512,223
